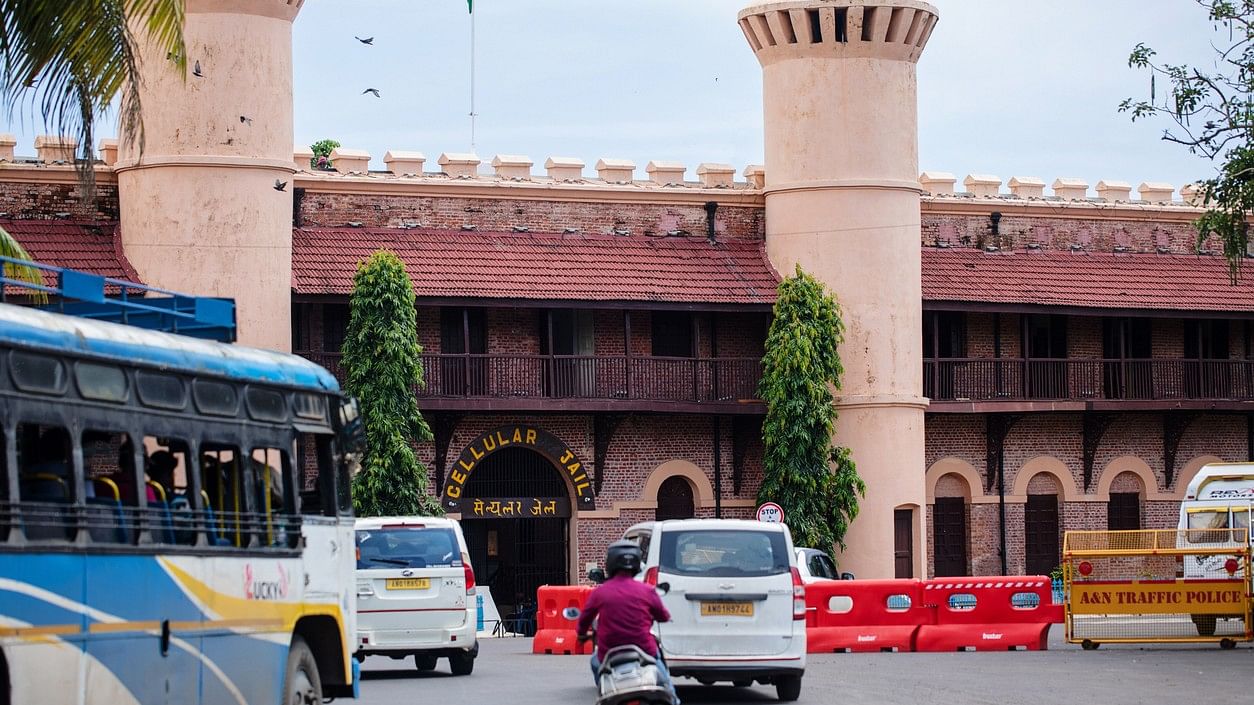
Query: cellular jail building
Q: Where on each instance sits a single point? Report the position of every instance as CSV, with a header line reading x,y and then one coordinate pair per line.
x,y
1022,358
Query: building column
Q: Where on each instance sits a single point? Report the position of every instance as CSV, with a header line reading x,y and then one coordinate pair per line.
x,y
199,208
842,200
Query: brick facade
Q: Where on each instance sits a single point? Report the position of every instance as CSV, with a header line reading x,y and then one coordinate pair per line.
x,y
22,200
1042,442
323,208
1096,233
644,442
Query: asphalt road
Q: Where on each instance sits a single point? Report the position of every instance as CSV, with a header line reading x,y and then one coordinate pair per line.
x,y
507,673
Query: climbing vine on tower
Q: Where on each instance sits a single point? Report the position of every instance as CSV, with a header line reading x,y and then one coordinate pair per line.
x,y
816,484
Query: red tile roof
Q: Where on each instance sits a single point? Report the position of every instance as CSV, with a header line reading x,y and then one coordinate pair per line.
x,y
1086,279
88,246
541,266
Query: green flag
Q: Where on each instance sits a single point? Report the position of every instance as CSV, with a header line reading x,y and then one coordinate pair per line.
x,y
470,6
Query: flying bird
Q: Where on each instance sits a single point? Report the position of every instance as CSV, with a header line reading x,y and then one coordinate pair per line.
x,y
280,185
372,91
367,40
196,70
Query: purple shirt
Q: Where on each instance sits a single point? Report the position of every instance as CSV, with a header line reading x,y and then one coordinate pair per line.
x,y
627,609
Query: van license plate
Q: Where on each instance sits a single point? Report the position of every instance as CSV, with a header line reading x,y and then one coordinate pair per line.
x,y
726,609
408,583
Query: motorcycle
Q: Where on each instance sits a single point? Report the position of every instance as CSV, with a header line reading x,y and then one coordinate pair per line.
x,y
628,675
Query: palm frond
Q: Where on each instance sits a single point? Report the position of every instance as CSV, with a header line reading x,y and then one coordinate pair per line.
x,y
10,247
70,60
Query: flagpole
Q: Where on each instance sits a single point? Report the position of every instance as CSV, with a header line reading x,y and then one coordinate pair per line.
x,y
470,6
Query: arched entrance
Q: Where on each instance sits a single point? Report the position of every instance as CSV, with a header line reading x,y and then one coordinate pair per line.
x,y
513,488
515,552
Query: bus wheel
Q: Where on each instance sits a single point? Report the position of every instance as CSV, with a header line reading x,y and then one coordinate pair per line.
x,y
1089,645
301,686
1227,644
1205,625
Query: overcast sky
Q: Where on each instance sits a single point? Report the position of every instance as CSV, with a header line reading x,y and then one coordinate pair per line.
x,y
1006,87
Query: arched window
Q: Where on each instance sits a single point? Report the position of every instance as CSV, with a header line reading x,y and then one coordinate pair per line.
x,y
674,499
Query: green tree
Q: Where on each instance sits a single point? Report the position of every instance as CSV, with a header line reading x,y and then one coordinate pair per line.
x,y
70,60
10,247
381,358
322,153
817,485
1213,112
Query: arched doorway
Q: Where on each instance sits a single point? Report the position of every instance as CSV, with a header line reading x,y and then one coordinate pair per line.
x,y
1041,547
949,526
514,548
674,499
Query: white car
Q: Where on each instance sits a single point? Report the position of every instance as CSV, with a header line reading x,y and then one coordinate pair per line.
x,y
415,592
817,566
736,600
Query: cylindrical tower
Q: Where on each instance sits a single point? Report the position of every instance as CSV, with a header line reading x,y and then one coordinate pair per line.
x,y
842,199
200,211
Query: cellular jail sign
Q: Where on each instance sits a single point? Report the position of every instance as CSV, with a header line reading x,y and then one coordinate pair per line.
x,y
1159,597
521,436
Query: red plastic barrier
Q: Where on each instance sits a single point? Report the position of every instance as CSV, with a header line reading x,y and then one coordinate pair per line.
x,y
559,641
552,599
857,616
980,613
554,633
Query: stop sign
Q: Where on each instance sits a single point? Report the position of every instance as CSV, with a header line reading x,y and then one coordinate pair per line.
x,y
771,512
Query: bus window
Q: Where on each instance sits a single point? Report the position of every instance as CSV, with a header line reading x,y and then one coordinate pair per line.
x,y
270,470
222,477
34,372
317,478
45,481
217,398
167,480
101,382
265,404
1241,518
161,391
109,485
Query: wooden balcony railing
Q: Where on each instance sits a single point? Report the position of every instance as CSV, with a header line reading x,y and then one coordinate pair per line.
x,y
1017,379
624,378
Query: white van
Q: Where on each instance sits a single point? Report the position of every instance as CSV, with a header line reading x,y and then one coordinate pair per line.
x,y
736,600
1220,497
415,592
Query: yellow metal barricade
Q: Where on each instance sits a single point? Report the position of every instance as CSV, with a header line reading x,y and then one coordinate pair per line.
x,y
1152,585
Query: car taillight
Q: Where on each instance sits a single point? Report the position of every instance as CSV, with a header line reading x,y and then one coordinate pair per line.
x,y
470,574
650,576
798,596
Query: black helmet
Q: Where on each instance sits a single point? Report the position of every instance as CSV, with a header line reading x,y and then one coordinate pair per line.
x,y
622,555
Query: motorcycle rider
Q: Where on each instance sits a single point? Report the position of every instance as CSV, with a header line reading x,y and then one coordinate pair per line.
x,y
627,609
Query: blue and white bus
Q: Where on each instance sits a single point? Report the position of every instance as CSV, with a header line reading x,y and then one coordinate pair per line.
x,y
175,519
